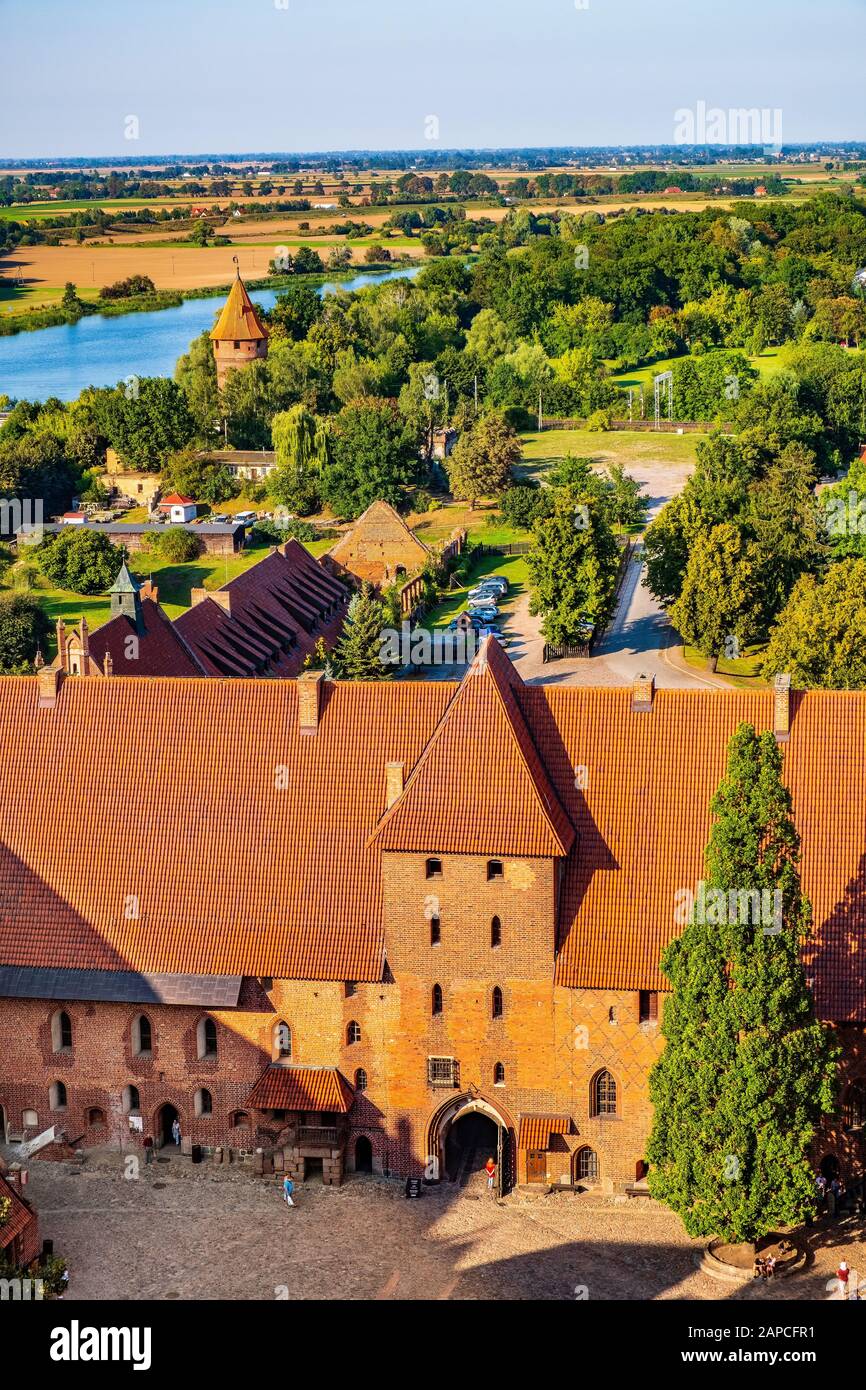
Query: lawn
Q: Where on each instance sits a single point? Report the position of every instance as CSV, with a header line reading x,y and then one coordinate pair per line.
x,y
768,363
541,449
743,672
437,526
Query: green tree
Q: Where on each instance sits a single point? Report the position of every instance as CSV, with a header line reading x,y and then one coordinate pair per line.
x,y
301,447
572,566
24,630
196,376
820,635
78,559
356,656
721,605
145,419
747,1071
373,456
482,460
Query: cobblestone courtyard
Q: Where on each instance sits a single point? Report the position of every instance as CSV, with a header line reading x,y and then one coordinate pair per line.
x,y
187,1232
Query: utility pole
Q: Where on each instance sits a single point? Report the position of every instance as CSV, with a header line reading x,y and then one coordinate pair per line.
x,y
540,416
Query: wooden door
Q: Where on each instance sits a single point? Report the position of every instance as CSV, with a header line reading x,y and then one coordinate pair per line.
x,y
536,1166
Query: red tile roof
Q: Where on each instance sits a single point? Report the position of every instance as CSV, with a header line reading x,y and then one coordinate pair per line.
x,y
160,649
301,1088
163,791
161,796
20,1215
480,786
278,609
535,1130
174,499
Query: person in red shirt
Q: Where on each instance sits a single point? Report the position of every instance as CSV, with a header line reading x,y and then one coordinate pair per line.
x,y
842,1275
490,1170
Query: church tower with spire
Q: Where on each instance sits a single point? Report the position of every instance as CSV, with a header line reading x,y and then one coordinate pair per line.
x,y
239,336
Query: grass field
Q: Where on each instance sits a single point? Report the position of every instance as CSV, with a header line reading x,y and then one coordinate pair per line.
x,y
540,450
767,364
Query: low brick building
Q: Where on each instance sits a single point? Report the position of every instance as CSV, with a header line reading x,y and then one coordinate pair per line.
x,y
381,925
379,548
19,1230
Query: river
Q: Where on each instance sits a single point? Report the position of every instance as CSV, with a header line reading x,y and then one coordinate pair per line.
x,y
99,351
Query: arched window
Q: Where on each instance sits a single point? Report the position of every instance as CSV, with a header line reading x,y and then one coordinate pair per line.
x,y
131,1100
142,1037
499,1074
206,1037
433,868
57,1094
61,1032
496,932
203,1102
95,1117
360,1079
496,1011
585,1164
435,931
854,1106
353,1032
282,1041
239,1117
603,1094
437,1000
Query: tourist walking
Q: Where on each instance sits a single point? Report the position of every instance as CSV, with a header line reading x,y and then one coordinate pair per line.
x,y
490,1170
842,1274
175,1131
288,1189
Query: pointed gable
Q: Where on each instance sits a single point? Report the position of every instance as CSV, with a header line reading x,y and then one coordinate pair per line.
x,y
379,543
238,321
480,786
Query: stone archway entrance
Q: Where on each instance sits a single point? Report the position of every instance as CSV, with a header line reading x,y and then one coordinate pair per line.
x,y
463,1133
165,1118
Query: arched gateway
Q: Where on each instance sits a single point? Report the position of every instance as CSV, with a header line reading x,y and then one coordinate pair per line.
x,y
470,1127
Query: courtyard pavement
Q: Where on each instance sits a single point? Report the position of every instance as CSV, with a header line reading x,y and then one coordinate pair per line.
x,y
179,1231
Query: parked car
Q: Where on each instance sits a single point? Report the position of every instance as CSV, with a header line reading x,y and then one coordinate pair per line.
x,y
494,581
486,615
496,589
246,518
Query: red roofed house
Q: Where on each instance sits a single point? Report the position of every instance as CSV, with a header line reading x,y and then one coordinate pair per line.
x,y
362,920
19,1231
179,509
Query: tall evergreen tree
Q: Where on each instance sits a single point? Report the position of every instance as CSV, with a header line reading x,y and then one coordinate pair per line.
x,y
357,655
747,1071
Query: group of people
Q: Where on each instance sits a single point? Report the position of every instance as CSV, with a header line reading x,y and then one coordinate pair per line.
x,y
764,1268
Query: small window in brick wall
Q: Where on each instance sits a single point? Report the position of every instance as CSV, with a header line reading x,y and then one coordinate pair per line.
x,y
433,868
61,1032
495,869
436,1007
435,931
496,1010
360,1079
648,1006
353,1033
496,932
203,1102
351,988
499,1074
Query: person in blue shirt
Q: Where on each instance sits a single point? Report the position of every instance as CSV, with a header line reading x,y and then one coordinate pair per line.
x,y
288,1189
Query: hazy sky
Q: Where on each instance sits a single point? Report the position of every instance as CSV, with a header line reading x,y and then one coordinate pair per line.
x,y
246,75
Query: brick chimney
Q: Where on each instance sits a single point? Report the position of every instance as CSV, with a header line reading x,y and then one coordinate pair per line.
x,y
642,691
49,680
393,782
61,643
220,596
85,645
782,707
309,685
108,665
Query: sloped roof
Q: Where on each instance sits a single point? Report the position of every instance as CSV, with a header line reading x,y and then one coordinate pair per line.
x,y
238,321
103,803
160,648
20,1215
480,786
301,1088
278,609
379,539
535,1130
172,826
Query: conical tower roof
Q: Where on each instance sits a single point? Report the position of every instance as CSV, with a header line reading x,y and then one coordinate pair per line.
x,y
124,583
238,321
